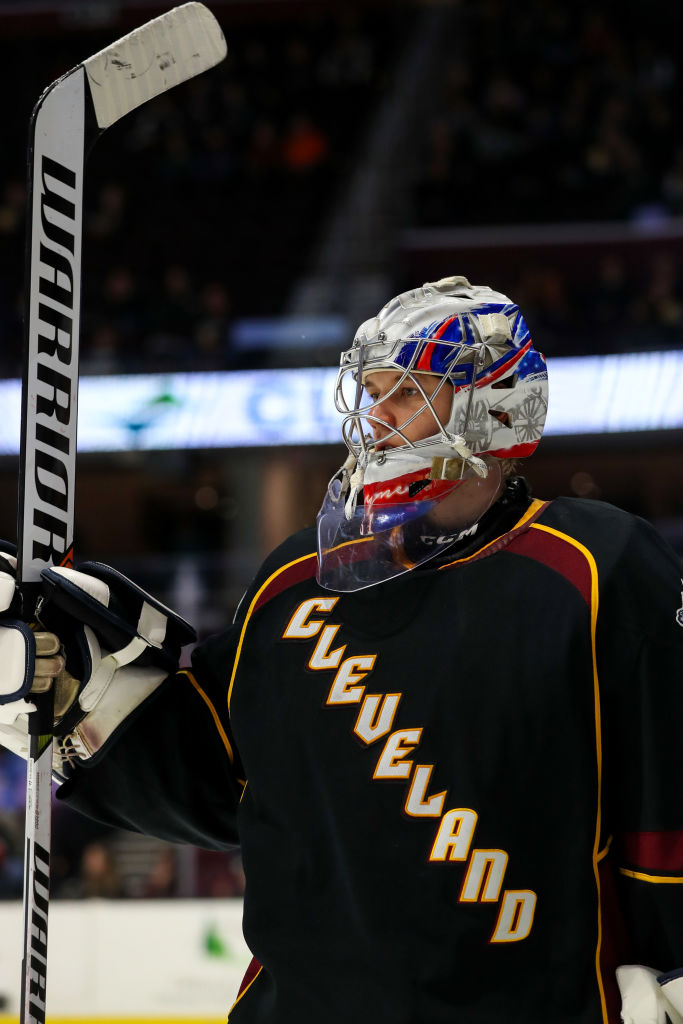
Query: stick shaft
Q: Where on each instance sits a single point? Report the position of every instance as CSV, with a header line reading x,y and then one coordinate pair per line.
x,y
37,874
67,120
48,453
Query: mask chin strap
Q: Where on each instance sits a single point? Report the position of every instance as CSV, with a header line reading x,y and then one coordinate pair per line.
x,y
350,479
353,471
452,467
355,474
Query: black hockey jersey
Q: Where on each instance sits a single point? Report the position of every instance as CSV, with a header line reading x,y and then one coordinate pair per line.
x,y
458,794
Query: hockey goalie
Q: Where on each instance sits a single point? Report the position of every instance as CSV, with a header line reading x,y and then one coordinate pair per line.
x,y
444,726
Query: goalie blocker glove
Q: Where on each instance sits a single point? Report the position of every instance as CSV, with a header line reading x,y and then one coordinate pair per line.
x,y
29,660
124,617
649,997
120,643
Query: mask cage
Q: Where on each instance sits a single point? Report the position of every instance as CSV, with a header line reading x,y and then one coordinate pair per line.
x,y
456,363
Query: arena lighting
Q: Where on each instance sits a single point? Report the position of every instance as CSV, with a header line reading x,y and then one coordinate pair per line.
x,y
262,408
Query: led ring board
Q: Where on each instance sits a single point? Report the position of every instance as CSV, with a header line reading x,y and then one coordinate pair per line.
x,y
262,408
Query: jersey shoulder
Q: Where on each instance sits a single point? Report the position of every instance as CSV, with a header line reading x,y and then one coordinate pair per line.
x,y
639,575
586,516
300,545
298,552
218,650
608,532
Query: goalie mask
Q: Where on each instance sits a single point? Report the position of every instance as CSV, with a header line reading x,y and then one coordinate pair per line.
x,y
478,395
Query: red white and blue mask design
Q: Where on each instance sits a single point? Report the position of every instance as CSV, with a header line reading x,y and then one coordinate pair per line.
x,y
476,344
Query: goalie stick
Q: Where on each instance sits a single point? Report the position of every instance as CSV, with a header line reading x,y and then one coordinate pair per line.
x,y
68,118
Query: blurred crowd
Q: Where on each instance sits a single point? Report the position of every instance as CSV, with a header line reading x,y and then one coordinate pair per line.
x,y
202,205
89,860
583,299
556,112
621,306
551,113
205,205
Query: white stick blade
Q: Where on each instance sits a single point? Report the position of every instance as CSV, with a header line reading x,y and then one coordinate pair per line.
x,y
152,59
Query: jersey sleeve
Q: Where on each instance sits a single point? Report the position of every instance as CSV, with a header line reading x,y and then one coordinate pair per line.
x,y
640,658
173,772
173,769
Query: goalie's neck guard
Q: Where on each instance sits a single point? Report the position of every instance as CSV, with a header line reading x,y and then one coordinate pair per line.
x,y
378,544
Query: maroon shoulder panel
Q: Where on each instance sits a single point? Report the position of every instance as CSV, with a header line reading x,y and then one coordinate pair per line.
x,y
554,551
558,554
298,571
249,975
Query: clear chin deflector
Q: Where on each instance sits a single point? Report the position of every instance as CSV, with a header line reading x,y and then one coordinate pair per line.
x,y
368,546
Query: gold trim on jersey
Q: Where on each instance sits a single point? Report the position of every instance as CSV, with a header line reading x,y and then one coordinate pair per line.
x,y
656,879
244,991
214,713
534,509
254,601
605,850
598,740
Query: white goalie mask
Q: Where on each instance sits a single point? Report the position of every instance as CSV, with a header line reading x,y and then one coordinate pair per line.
x,y
446,337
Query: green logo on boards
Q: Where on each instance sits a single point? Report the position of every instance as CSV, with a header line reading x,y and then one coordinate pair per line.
x,y
215,945
153,410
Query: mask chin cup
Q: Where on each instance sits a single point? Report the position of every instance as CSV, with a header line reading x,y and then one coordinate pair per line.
x,y
393,539
456,468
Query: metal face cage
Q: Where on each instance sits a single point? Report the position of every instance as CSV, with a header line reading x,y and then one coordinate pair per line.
x,y
412,359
